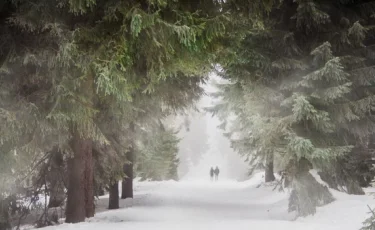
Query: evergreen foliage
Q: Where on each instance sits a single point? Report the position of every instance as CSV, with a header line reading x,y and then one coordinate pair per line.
x,y
156,155
369,223
93,79
301,89
72,72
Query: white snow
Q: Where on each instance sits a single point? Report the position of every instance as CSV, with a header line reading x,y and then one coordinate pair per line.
x,y
222,205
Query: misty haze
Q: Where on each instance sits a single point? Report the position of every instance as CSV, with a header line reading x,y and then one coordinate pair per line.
x,y
171,114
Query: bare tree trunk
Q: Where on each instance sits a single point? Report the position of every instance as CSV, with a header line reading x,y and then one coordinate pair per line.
x,y
127,182
269,175
75,207
113,196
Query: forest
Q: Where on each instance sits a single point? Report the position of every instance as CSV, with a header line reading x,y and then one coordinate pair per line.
x,y
87,87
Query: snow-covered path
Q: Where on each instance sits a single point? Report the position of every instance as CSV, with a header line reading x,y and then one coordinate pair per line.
x,y
221,205
202,201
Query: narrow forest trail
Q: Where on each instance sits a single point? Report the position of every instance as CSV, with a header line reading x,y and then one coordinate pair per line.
x,y
220,205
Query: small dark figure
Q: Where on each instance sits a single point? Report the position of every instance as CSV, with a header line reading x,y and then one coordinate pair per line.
x,y
212,173
216,171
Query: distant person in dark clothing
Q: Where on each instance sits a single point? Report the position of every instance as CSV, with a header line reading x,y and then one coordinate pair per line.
x,y
216,171
212,171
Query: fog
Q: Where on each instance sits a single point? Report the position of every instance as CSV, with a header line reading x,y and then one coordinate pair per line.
x,y
204,146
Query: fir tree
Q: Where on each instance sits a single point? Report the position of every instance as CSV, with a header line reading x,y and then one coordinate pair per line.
x,y
157,155
369,223
305,93
81,56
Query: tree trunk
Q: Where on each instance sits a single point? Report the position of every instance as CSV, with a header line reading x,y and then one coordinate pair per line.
x,y
269,175
80,202
113,196
75,207
127,182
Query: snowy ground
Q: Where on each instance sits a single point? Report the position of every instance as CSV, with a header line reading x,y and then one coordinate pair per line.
x,y
220,205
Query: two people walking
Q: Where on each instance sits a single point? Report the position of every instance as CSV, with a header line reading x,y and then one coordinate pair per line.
x,y
214,173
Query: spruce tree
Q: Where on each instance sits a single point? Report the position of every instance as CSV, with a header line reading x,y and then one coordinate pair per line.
x,y
307,90
157,155
82,55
